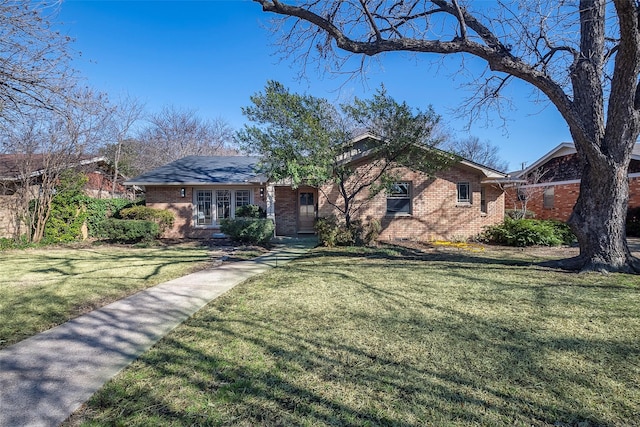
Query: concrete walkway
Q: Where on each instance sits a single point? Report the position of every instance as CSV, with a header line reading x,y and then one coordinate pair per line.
x,y
45,378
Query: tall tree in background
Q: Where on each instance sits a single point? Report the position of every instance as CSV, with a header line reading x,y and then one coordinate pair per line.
x,y
174,133
307,140
34,60
122,118
584,57
471,148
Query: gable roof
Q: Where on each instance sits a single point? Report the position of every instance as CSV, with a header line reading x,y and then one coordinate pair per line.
x,y
563,149
360,149
200,170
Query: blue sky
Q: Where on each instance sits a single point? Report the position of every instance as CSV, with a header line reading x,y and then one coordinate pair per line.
x,y
210,56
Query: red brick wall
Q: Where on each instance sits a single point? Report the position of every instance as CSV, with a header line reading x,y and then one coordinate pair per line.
x,y
285,211
168,197
435,212
565,197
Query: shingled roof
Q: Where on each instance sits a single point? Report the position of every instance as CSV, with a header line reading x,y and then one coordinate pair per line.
x,y
202,170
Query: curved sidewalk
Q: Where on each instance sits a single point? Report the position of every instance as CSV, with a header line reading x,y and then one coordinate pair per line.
x,y
45,378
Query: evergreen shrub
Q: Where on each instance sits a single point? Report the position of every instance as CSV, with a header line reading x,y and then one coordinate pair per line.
x,y
129,230
528,232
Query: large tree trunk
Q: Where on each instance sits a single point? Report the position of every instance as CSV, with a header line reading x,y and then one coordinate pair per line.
x,y
599,218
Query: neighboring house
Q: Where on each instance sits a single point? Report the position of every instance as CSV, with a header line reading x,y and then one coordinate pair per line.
x,y
14,173
457,203
553,183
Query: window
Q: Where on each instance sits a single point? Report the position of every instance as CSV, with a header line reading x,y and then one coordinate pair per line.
x,y
242,198
548,198
213,205
483,200
399,198
203,205
464,193
223,202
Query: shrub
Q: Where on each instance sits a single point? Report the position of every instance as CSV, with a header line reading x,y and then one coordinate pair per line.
x,y
99,210
633,222
528,232
68,211
162,217
250,211
17,243
332,233
130,230
256,231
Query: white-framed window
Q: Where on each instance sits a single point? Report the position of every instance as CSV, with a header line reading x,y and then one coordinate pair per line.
x,y
243,198
204,212
464,193
399,198
212,205
548,198
223,204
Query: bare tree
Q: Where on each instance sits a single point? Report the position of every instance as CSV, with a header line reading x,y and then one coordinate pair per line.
x,y
122,118
43,145
174,133
34,67
482,152
583,57
528,191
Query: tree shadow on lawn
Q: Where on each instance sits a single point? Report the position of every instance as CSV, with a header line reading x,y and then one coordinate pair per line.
x,y
56,296
401,253
359,383
450,259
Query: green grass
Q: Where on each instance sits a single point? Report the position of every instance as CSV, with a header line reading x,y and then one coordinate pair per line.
x,y
392,337
42,288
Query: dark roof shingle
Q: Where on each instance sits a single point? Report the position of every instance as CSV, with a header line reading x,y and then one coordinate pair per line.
x,y
196,170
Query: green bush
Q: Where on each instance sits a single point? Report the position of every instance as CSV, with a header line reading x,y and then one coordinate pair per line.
x,y
633,222
528,232
255,231
99,210
20,243
250,211
129,230
162,217
333,233
68,211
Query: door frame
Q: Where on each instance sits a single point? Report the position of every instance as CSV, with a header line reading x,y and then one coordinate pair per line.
x,y
314,192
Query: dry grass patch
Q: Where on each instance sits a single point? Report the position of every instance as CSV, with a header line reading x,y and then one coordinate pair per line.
x,y
399,337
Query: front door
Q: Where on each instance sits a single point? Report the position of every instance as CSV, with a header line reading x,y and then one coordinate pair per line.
x,y
306,211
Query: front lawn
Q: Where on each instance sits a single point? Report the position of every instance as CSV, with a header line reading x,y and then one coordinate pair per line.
x,y
389,336
42,288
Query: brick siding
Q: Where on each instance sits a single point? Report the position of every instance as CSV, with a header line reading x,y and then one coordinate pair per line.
x,y
435,211
564,168
565,198
169,198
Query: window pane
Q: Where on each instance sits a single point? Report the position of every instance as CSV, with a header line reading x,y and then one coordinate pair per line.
x,y
399,198
463,192
242,198
398,205
203,208
549,198
483,200
223,200
400,189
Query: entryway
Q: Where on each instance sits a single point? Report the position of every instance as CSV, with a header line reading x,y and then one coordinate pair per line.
x,y
307,210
